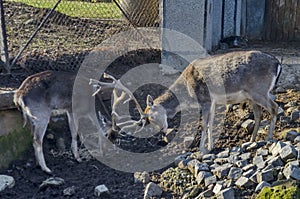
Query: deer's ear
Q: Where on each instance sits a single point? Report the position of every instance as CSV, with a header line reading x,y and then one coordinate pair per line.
x,y
149,100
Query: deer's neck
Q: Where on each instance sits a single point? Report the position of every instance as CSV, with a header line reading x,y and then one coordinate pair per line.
x,y
170,99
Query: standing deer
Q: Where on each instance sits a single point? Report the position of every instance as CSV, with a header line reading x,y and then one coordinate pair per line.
x,y
245,76
42,95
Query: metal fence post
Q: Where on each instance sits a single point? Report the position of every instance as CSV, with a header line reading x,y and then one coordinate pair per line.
x,y
3,41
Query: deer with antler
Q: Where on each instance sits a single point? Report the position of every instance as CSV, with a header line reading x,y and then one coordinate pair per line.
x,y
229,78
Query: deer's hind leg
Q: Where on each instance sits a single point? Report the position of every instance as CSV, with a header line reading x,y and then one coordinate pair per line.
x,y
74,133
257,111
39,129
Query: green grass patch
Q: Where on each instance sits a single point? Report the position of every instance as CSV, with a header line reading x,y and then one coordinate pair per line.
x,y
78,8
286,191
14,145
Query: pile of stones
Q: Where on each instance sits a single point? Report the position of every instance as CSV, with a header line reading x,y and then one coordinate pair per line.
x,y
242,170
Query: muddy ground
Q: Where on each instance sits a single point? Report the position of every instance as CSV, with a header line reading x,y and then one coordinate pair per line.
x,y
89,173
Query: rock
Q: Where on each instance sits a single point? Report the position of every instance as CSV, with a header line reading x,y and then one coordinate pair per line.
x,y
292,171
288,152
297,139
223,154
245,156
214,166
285,119
249,167
248,173
221,160
280,112
222,171
210,180
205,194
53,181
202,175
275,161
181,157
291,135
265,175
226,194
101,190
235,173
69,191
209,157
262,152
236,150
142,177
261,185
169,136
183,164
192,164
295,115
277,148
253,178
259,162
152,190
244,182
200,167
193,193
245,145
248,125
6,182
233,158
241,163
252,146
218,187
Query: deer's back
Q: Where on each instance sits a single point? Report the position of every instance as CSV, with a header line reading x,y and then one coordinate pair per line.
x,y
236,70
52,88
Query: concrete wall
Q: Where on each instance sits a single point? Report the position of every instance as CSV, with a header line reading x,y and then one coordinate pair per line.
x,y
208,21
255,18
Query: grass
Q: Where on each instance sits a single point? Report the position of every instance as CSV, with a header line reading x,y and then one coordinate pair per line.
x,y
78,8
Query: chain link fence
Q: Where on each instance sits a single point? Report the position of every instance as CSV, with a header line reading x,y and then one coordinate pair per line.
x,y
57,34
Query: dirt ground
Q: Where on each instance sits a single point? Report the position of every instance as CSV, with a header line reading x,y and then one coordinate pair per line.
x,y
85,176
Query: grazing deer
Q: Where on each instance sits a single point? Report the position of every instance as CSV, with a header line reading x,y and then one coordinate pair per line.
x,y
244,76
42,95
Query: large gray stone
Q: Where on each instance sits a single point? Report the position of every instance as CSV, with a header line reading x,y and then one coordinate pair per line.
x,y
259,162
235,173
288,152
275,161
244,182
152,190
210,180
265,175
101,191
245,156
275,150
292,171
6,182
202,175
248,125
222,171
261,185
291,135
226,194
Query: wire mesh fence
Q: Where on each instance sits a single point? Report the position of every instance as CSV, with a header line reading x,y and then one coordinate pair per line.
x,y
40,37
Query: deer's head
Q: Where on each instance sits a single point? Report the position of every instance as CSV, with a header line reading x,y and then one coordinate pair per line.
x,y
156,114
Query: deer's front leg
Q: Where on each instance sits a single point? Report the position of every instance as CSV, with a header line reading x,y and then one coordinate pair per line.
x,y
205,117
211,123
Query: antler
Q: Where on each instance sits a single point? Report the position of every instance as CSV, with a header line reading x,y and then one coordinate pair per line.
x,y
117,85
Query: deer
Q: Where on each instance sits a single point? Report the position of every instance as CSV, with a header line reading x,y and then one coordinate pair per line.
x,y
230,78
244,76
41,96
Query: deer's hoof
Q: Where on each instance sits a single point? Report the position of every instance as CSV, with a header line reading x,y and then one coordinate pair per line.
x,y
47,170
78,159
